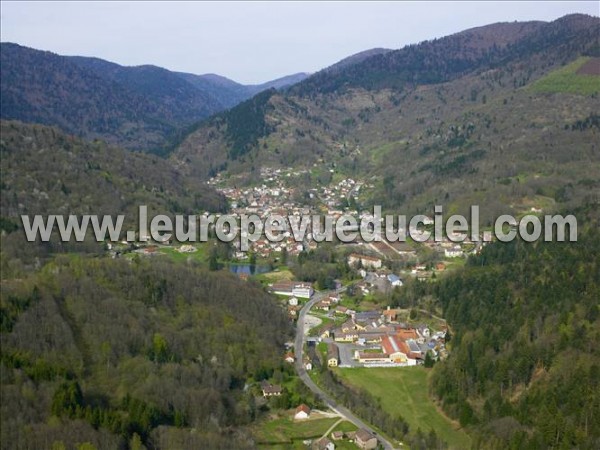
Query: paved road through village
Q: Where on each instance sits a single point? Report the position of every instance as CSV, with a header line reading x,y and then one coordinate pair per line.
x,y
326,398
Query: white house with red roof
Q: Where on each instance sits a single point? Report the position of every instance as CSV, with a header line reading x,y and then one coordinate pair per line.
x,y
302,412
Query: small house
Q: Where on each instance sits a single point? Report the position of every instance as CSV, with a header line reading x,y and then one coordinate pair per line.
x,y
324,444
365,440
337,435
302,412
270,390
333,355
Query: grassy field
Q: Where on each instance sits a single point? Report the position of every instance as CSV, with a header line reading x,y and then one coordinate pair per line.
x,y
567,80
200,255
345,444
345,426
404,391
316,331
281,274
284,432
322,347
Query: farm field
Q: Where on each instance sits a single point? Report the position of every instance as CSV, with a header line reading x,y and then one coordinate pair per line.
x,y
569,79
286,433
404,391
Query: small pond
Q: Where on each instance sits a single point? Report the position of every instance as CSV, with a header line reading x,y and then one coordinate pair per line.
x,y
250,269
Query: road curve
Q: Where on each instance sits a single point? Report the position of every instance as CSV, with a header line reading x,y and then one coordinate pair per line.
x,y
324,396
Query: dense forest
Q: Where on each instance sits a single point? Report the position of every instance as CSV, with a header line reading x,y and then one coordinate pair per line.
x,y
46,172
144,107
129,352
246,123
497,116
143,352
524,366
119,353
442,60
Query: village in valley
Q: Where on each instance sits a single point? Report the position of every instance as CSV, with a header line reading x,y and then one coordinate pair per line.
x,y
343,329
346,322
338,337
282,193
366,338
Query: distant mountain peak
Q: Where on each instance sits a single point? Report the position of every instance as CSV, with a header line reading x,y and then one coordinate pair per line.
x,y
282,82
219,79
144,107
357,58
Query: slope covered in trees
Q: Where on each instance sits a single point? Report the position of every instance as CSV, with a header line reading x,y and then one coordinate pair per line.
x,y
112,351
524,365
47,172
485,134
42,87
445,59
141,108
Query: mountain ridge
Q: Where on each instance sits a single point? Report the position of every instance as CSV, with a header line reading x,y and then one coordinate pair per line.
x,y
448,129
356,58
461,53
231,92
139,107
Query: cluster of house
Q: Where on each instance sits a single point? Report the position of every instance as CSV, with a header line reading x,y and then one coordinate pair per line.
x,y
294,290
389,341
362,438
336,196
450,249
364,261
380,280
270,198
377,278
275,196
379,251
328,303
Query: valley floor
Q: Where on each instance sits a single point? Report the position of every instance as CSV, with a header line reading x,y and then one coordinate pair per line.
x,y
404,391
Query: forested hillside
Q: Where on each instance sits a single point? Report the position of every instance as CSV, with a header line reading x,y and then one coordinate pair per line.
x,y
457,121
231,93
42,87
144,108
445,59
114,352
46,172
524,367
145,348
177,101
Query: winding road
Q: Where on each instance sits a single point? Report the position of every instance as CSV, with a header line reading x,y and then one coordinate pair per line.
x,y
324,396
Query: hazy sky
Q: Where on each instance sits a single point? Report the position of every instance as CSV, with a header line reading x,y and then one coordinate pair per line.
x,y
250,42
